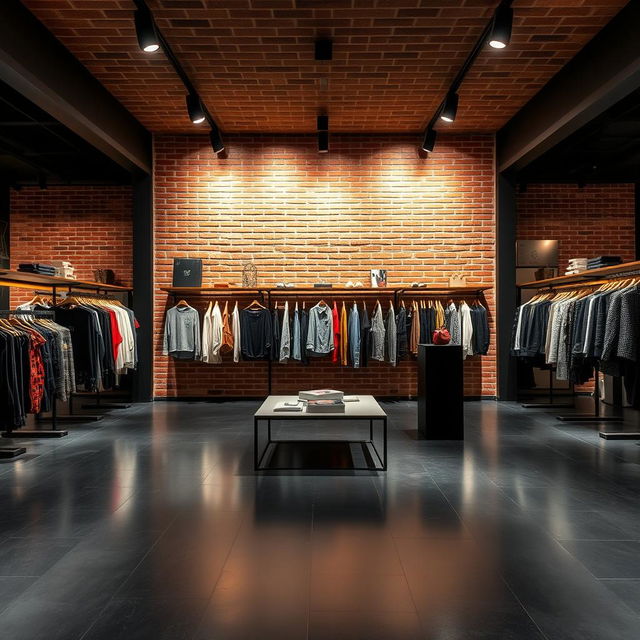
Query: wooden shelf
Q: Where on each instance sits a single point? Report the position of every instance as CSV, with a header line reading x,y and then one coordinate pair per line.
x,y
30,280
584,276
356,291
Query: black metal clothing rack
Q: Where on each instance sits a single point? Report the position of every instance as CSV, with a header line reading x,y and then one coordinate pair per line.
x,y
268,295
54,432
579,281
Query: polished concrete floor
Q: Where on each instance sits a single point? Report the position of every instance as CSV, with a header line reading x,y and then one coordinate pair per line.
x,y
152,525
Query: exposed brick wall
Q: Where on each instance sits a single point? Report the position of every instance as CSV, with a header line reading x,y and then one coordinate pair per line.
x,y
305,217
89,226
598,219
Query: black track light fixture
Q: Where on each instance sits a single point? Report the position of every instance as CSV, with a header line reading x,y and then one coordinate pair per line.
x,y
146,31
501,29
449,107
216,140
429,142
194,107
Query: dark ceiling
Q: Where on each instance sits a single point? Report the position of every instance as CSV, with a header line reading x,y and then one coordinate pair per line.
x,y
607,149
36,149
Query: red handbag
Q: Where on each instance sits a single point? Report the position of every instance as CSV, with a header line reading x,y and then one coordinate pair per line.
x,y
441,336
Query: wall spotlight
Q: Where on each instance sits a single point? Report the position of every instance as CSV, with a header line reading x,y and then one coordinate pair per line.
x,y
501,30
216,140
194,107
450,107
429,141
146,31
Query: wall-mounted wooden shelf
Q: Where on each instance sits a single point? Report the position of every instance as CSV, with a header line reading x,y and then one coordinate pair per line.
x,y
584,276
25,280
341,291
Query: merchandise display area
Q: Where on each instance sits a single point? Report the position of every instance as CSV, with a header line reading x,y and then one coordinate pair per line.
x,y
319,320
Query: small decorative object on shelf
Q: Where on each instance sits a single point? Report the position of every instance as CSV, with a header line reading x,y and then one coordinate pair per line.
x,y
458,280
249,274
378,278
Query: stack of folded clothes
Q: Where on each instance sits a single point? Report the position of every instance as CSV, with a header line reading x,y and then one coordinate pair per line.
x,y
576,265
603,261
63,269
37,267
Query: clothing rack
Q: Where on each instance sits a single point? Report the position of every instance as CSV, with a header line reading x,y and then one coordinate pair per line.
x,y
577,281
270,294
98,404
54,432
55,285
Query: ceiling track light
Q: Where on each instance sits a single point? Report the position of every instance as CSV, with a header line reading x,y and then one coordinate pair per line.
x,y
429,142
146,31
497,33
500,35
216,140
449,107
194,108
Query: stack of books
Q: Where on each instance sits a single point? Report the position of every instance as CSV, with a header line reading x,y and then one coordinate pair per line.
x,y
323,400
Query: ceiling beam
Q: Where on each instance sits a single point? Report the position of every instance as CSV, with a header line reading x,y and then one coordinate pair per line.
x,y
604,72
39,67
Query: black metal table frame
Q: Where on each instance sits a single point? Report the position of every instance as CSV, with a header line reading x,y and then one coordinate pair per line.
x,y
258,458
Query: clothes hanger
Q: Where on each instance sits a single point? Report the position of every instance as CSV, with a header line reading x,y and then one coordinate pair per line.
x,y
255,304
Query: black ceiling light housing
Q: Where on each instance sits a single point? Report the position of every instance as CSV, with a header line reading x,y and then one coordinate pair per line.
x,y
500,35
450,107
146,31
194,107
429,142
324,49
216,140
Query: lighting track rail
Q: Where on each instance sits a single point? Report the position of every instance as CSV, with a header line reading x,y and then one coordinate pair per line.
x,y
151,39
497,34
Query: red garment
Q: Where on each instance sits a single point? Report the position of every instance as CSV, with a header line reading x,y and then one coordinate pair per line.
x,y
336,333
36,371
116,336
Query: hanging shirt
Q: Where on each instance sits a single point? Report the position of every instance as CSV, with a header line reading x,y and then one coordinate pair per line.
x,y
235,330
414,336
320,338
304,332
452,322
275,335
335,318
353,334
227,335
212,354
402,342
467,330
285,338
256,333
365,336
181,333
391,336
296,349
344,337
377,334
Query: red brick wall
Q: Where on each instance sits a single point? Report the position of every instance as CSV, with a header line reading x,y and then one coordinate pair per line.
x,y
305,217
598,219
91,227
